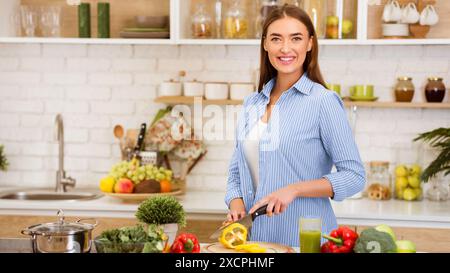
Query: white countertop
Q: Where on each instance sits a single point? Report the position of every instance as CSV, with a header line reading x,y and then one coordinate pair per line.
x,y
210,205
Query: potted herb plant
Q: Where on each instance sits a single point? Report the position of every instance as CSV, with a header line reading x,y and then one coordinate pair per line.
x,y
439,139
165,211
3,161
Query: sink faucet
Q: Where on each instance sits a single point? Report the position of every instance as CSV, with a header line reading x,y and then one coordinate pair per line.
x,y
62,182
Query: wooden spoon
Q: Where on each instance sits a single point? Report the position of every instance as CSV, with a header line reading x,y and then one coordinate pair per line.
x,y
118,133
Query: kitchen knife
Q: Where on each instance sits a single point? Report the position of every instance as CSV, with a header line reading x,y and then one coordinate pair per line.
x,y
246,221
140,140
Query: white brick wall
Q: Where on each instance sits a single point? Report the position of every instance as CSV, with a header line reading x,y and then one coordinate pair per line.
x,y
98,86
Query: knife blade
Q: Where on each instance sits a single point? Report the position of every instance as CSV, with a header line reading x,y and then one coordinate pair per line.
x,y
246,221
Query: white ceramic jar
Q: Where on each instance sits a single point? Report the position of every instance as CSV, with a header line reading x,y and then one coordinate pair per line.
x,y
216,91
193,89
170,88
238,91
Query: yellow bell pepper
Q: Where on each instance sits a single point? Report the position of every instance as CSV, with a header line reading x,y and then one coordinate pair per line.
x,y
251,248
233,235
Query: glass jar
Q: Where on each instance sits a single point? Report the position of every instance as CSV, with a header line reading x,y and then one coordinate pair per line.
x,y
317,10
435,90
201,23
437,191
408,185
264,7
236,23
379,181
404,89
296,3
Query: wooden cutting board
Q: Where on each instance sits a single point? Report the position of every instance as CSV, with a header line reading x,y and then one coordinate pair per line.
x,y
270,248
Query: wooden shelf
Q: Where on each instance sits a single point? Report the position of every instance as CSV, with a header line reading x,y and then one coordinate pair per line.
x,y
86,41
397,104
190,100
240,42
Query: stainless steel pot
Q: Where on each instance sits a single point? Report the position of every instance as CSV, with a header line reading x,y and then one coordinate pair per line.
x,y
61,237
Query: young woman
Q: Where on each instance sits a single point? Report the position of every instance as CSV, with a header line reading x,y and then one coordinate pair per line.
x,y
289,136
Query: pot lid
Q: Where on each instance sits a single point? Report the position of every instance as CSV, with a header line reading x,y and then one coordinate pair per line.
x,y
61,227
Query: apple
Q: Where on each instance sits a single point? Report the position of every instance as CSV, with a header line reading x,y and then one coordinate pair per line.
x,y
401,170
387,229
124,185
404,246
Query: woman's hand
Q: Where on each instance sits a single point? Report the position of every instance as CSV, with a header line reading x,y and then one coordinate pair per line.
x,y
237,210
277,201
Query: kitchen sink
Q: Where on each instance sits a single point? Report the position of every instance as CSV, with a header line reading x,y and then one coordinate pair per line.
x,y
48,195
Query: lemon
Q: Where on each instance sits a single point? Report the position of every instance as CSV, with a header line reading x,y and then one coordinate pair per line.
x,y
409,194
399,193
416,169
401,170
107,184
401,182
418,192
414,181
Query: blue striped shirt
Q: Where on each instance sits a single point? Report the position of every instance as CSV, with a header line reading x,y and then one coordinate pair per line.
x,y
307,133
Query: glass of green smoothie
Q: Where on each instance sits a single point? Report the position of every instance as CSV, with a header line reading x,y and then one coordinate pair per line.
x,y
310,234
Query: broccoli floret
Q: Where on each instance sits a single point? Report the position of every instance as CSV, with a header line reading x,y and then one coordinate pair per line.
x,y
374,241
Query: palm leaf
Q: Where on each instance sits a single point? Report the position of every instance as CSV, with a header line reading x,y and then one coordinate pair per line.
x,y
439,139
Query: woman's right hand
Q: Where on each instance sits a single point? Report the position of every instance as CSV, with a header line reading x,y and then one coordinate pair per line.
x,y
237,210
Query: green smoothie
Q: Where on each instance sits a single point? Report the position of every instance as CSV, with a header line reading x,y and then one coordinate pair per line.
x,y
310,241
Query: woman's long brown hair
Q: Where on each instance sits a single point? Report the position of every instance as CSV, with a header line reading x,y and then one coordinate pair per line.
x,y
311,64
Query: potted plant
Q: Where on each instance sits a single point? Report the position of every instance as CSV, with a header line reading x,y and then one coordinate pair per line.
x,y
3,161
439,139
165,211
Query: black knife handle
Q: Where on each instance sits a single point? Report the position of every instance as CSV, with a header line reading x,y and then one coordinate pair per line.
x,y
261,211
141,137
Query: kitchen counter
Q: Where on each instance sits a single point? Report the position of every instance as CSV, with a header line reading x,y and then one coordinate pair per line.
x,y
210,206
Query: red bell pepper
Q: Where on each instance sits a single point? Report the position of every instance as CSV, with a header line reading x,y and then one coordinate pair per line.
x,y
185,243
341,240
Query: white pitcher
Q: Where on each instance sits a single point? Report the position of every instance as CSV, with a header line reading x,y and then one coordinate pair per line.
x,y
429,16
392,11
410,15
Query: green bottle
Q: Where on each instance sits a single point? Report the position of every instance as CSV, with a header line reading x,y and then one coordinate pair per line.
x,y
84,20
103,20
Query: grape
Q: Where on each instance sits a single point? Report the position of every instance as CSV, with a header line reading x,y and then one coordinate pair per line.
x,y
137,173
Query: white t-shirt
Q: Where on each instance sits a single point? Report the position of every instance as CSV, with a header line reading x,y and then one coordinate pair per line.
x,y
251,150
